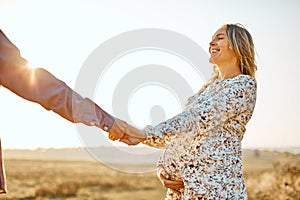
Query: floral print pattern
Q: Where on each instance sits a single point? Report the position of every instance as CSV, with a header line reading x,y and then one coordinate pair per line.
x,y
203,143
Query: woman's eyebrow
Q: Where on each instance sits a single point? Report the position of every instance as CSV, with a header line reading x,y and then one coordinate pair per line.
x,y
219,34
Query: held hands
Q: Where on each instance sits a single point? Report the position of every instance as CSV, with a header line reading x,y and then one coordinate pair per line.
x,y
132,136
117,130
131,140
126,133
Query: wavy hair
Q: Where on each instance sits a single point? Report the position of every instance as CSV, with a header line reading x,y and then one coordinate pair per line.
x,y
240,40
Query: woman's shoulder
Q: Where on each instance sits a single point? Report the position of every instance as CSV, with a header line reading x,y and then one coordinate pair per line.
x,y
240,80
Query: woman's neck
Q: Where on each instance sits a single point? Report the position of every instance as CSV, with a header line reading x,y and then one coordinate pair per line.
x,y
229,71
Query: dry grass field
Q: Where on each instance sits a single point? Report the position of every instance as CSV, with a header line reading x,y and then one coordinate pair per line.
x,y
271,175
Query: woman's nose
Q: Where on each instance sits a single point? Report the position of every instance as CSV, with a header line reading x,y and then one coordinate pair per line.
x,y
212,43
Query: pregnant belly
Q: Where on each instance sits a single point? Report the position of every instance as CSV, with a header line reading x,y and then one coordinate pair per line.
x,y
170,164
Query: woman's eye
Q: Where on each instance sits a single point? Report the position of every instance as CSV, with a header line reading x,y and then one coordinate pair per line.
x,y
220,38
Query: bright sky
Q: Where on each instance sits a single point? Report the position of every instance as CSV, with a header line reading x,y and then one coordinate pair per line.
x,y
60,34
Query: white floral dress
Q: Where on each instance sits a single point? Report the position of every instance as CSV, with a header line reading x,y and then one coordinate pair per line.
x,y
203,143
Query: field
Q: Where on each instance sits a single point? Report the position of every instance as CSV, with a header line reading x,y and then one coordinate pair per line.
x,y
269,175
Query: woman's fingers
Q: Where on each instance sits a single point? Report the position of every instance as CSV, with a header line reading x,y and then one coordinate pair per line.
x,y
124,140
176,191
172,184
161,171
165,174
134,132
121,128
130,140
164,177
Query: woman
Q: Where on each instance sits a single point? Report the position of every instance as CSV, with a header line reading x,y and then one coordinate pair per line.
x,y
203,143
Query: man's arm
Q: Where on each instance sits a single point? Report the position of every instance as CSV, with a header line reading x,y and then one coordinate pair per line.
x,y
40,86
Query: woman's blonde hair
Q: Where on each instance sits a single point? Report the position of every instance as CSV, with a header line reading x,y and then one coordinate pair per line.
x,y
240,40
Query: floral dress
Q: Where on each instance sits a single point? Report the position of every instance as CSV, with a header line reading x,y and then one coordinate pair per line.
x,y
203,143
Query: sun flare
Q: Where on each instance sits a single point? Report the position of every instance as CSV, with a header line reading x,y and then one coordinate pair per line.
x,y
31,69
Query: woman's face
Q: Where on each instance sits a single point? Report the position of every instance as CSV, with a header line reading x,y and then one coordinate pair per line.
x,y
219,50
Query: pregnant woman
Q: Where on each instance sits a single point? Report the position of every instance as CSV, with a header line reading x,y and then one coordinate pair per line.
x,y
203,143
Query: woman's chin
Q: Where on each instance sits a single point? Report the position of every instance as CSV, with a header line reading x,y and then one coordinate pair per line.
x,y
211,60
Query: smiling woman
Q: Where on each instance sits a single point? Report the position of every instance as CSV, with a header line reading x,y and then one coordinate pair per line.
x,y
202,157
219,48
231,53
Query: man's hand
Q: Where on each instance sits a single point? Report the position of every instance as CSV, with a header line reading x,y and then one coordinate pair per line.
x,y
164,177
133,136
126,133
117,130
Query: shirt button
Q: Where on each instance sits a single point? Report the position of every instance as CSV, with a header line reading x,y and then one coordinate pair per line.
x,y
105,127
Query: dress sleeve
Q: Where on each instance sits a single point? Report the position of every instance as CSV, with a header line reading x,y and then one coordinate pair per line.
x,y
235,97
40,86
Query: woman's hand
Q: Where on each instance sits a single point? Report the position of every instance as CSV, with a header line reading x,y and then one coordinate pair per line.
x,y
164,177
133,136
126,133
130,140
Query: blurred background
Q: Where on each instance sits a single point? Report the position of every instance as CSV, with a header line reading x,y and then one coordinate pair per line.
x,y
43,150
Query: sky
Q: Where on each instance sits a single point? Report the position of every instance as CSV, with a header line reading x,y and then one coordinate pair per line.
x,y
60,35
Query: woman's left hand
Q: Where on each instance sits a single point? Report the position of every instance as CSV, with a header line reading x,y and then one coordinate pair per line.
x,y
164,177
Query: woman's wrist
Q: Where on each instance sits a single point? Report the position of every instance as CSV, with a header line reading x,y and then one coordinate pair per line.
x,y
132,131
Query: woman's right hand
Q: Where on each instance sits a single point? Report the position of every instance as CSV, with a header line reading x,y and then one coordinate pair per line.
x,y
164,177
130,140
